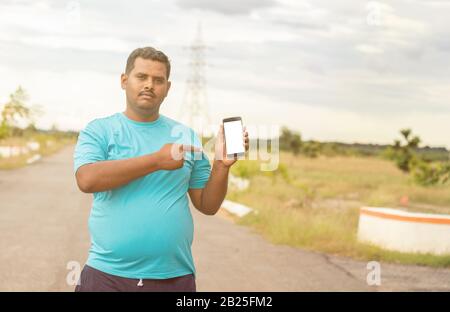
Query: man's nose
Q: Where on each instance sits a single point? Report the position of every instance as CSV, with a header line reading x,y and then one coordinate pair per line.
x,y
149,85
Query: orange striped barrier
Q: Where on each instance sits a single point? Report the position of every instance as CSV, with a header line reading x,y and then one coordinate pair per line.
x,y
384,215
405,231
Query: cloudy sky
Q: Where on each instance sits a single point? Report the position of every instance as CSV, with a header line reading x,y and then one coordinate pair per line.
x,y
348,70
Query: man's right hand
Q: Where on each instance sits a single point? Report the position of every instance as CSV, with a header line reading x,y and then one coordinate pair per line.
x,y
171,156
110,174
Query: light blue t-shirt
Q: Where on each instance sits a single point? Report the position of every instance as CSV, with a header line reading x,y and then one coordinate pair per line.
x,y
143,229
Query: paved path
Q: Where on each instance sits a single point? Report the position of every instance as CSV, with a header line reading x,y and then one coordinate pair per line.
x,y
43,226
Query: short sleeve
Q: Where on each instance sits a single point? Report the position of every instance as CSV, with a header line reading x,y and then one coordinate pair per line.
x,y
91,145
201,169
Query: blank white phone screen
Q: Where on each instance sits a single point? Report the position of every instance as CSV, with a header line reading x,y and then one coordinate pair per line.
x,y
234,137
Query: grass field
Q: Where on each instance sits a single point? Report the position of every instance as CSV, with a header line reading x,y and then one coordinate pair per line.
x,y
314,203
49,144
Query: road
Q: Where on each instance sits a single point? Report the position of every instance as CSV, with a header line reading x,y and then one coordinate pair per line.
x,y
43,227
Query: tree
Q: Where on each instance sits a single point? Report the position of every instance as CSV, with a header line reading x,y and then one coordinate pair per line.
x,y
291,141
4,130
311,149
404,154
16,110
285,138
424,172
428,174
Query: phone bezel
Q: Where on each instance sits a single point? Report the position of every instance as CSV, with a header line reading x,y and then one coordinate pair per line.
x,y
225,142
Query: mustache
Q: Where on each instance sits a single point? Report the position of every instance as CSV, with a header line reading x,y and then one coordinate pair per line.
x,y
147,92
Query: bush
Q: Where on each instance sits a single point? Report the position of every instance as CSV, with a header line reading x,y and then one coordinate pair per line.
x,y
245,168
311,149
290,141
429,174
404,155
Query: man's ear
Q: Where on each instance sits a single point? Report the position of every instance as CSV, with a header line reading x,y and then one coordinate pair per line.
x,y
123,81
168,86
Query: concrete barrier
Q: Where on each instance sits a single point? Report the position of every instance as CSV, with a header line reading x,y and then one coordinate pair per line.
x,y
33,158
404,231
236,208
12,151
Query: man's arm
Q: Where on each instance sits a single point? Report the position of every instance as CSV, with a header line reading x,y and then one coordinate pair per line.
x,y
209,199
109,174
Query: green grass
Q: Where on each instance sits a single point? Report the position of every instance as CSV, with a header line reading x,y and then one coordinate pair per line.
x,y
314,203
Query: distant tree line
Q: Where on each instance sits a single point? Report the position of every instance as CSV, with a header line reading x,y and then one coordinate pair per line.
x,y
427,165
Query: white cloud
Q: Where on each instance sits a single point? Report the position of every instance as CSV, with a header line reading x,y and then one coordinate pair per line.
x,y
231,7
368,49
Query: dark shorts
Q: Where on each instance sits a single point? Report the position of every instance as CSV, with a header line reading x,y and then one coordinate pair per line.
x,y
94,280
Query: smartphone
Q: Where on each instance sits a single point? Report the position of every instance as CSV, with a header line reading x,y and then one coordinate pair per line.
x,y
234,137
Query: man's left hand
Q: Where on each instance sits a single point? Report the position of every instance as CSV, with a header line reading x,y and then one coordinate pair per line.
x,y
220,149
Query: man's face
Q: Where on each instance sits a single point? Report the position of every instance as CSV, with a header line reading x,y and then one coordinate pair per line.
x,y
146,86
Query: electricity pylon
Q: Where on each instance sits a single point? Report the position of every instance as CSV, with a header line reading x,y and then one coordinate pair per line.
x,y
195,111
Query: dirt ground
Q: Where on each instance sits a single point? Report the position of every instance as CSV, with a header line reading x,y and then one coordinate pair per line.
x,y
43,228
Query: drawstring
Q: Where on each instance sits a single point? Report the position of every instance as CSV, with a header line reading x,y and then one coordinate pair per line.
x,y
140,283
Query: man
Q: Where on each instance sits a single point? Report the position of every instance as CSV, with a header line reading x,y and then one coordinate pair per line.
x,y
141,165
